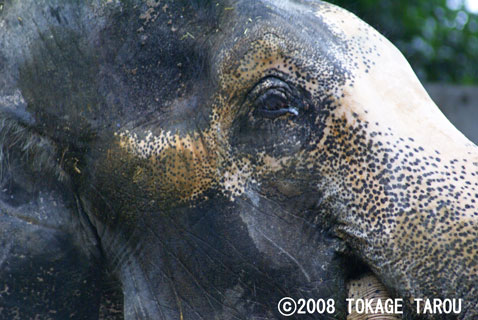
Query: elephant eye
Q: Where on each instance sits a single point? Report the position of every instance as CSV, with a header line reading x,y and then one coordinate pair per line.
x,y
273,99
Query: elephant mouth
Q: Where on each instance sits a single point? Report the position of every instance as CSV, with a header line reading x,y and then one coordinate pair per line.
x,y
366,297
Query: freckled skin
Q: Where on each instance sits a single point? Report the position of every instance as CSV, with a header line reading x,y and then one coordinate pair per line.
x,y
224,156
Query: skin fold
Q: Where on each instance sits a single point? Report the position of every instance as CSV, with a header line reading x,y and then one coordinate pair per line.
x,y
202,160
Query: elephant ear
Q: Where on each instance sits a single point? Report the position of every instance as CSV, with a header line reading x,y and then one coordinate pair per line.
x,y
49,254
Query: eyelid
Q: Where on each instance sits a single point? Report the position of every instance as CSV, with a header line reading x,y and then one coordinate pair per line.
x,y
267,94
280,112
267,84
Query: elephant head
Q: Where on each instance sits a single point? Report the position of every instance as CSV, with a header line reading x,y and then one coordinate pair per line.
x,y
215,157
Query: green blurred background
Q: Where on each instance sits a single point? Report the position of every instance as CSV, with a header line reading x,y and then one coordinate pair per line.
x,y
438,37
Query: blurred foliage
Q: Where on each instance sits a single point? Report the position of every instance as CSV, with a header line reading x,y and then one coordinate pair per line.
x,y
438,37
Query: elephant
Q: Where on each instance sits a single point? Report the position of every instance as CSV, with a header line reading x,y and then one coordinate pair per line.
x,y
196,159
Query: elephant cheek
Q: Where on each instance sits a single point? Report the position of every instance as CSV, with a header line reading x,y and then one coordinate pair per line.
x,y
168,168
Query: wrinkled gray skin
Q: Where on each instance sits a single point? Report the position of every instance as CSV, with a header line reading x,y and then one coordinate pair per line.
x,y
201,160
